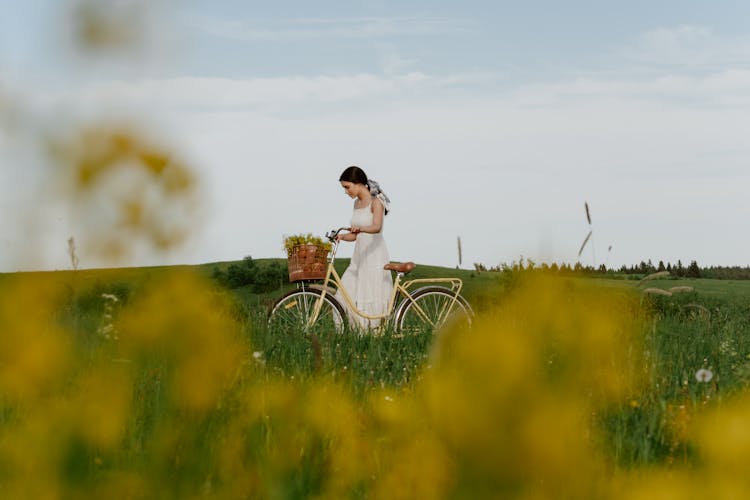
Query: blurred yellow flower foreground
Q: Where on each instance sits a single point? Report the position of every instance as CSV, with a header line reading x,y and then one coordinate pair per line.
x,y
176,405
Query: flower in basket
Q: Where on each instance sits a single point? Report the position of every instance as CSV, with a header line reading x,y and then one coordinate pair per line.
x,y
298,240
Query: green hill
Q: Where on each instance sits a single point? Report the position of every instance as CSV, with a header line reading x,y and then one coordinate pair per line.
x,y
481,289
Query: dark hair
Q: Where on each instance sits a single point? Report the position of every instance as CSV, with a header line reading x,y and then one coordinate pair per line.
x,y
354,174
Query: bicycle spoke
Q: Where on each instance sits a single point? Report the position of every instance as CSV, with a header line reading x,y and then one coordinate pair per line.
x,y
293,313
432,309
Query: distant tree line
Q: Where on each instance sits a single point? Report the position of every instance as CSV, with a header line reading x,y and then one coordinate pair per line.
x,y
693,270
679,270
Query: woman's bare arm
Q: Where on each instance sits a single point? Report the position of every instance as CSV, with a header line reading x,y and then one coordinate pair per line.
x,y
377,219
347,237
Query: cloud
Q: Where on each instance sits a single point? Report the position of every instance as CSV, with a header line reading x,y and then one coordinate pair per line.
x,y
474,158
391,60
658,127
725,88
676,38
503,166
273,94
297,29
688,48
728,88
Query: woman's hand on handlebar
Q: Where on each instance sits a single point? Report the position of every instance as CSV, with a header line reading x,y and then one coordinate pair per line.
x,y
350,236
335,235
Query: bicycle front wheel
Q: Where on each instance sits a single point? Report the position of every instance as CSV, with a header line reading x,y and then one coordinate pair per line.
x,y
433,308
294,311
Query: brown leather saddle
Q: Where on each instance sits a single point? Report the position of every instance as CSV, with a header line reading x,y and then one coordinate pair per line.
x,y
400,267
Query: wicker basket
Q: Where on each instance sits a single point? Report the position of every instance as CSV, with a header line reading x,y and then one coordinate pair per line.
x,y
307,262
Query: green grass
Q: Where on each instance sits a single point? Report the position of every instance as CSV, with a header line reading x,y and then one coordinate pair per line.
x,y
642,429
678,340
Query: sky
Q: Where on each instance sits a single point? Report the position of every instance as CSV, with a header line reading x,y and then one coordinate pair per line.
x,y
491,121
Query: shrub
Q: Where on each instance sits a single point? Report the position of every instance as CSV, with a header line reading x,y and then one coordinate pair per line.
x,y
237,275
269,278
261,278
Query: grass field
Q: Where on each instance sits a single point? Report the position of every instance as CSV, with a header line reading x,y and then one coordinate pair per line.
x,y
155,383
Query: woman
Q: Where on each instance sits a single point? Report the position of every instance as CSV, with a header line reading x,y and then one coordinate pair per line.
x,y
365,281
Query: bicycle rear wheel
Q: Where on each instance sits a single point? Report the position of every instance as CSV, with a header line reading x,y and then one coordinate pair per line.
x,y
434,308
292,313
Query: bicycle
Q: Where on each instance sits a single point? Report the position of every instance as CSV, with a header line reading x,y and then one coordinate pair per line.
x,y
413,304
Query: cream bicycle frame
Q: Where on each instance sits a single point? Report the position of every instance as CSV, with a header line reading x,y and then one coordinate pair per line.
x,y
332,277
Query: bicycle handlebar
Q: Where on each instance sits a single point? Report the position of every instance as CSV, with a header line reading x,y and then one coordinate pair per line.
x,y
331,235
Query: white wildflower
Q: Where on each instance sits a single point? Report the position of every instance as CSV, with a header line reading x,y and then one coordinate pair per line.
x,y
106,328
704,375
726,347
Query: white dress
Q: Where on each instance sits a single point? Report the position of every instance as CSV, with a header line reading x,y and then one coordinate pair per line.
x,y
366,282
